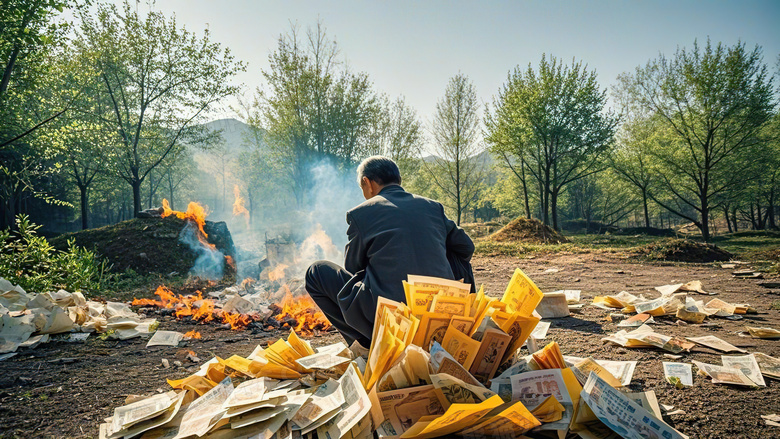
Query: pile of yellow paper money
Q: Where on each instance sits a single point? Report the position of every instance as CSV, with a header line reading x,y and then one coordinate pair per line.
x,y
447,362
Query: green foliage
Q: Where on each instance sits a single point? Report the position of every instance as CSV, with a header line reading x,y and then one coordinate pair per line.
x,y
456,168
28,260
710,104
152,82
549,125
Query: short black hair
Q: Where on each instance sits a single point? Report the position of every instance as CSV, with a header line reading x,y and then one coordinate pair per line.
x,y
379,169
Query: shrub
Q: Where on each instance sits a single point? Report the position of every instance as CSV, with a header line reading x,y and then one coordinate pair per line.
x,y
28,260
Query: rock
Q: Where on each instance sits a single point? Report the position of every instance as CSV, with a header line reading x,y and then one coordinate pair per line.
x,y
178,363
165,363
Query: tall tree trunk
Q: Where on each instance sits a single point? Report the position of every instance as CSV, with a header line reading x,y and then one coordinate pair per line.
x,y
734,219
136,184
554,208
84,206
546,198
705,220
525,192
644,204
728,220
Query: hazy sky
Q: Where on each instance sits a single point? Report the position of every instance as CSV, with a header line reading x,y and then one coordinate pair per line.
x,y
412,48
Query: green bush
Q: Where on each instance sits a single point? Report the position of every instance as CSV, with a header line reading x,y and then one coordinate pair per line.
x,y
30,261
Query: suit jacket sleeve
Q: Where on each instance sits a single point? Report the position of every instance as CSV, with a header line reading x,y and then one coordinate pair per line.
x,y
458,242
355,253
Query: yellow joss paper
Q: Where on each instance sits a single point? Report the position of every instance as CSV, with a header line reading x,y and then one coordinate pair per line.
x,y
550,357
608,301
588,365
456,418
549,411
512,420
256,369
302,347
462,347
421,299
453,306
522,295
196,383
519,328
283,354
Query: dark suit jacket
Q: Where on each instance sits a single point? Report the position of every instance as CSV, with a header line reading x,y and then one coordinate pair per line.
x,y
392,235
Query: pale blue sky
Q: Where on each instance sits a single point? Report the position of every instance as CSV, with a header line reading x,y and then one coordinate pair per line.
x,y
411,48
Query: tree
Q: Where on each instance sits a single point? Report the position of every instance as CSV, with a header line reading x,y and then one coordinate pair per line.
x,y
154,81
30,98
455,168
397,134
28,34
632,159
314,109
713,102
551,123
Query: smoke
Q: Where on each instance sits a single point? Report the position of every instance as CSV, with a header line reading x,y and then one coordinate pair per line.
x,y
210,262
333,193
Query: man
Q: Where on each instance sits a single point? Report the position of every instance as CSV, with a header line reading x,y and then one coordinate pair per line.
x,y
391,235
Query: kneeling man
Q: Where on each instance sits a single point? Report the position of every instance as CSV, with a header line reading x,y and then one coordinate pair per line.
x,y
391,235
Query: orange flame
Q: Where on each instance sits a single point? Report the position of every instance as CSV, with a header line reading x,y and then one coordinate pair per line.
x,y
195,213
277,273
236,320
304,311
238,204
192,334
196,307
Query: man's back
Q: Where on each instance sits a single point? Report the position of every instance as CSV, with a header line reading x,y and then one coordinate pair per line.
x,y
395,234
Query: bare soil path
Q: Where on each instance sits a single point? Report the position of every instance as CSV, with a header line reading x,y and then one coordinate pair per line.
x,y
65,390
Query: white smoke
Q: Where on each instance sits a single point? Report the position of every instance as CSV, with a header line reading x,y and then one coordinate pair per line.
x,y
210,262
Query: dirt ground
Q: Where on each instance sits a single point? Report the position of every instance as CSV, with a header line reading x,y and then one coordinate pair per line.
x,y
65,390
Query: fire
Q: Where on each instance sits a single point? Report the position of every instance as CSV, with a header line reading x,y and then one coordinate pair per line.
x,y
192,334
277,273
318,245
238,204
236,320
194,306
195,213
304,311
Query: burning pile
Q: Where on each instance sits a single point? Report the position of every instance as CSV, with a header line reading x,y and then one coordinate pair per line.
x,y
196,307
239,312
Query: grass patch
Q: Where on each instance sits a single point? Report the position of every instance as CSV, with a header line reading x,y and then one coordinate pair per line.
x,y
748,246
751,245
776,305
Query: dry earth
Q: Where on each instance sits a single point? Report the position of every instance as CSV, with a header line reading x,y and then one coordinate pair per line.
x,y
65,390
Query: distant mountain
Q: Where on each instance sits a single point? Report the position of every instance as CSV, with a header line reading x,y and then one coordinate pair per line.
x,y
234,132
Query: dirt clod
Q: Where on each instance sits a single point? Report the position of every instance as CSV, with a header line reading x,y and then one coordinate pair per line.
x,y
529,231
683,250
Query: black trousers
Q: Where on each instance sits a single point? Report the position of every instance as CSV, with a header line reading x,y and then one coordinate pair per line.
x,y
324,280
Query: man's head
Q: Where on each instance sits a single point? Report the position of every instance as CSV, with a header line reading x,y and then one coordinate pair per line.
x,y
376,172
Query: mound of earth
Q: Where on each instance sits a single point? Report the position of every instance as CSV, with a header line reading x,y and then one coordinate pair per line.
x,y
683,250
527,230
148,245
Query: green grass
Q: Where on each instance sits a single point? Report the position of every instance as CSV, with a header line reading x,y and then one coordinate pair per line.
x,y
749,246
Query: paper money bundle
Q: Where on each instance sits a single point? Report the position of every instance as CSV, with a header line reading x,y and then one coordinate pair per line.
x,y
445,381
445,363
285,389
